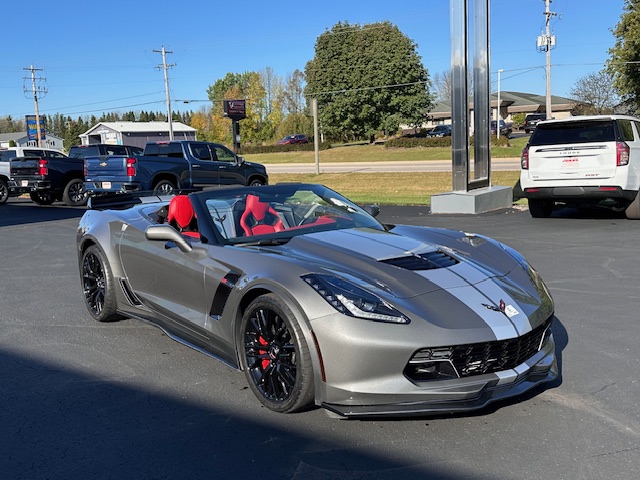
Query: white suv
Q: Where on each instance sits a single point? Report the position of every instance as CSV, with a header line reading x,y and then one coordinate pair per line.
x,y
583,161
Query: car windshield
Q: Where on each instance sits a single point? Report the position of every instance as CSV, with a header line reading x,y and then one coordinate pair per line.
x,y
276,213
573,132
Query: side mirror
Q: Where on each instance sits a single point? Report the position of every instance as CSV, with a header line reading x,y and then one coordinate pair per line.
x,y
166,233
372,210
239,160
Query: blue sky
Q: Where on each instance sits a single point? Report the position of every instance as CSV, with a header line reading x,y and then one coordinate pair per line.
x,y
103,59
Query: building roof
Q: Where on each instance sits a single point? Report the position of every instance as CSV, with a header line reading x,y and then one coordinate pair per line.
x,y
515,102
141,127
15,136
7,137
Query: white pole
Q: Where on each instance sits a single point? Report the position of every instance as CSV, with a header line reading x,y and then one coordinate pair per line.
x,y
498,109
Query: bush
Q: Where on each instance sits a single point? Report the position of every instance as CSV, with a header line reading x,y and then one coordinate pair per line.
x,y
412,142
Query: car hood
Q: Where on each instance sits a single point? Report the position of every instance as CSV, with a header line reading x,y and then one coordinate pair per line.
x,y
415,262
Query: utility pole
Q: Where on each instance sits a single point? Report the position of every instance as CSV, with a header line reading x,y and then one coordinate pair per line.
x,y
165,67
37,91
499,102
545,43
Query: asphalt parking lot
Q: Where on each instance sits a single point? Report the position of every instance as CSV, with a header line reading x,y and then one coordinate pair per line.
x,y
105,401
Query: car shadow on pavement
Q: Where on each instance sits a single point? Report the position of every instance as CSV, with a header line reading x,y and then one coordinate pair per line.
x,y
59,423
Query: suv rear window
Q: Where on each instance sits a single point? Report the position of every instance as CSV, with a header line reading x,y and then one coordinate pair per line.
x,y
574,132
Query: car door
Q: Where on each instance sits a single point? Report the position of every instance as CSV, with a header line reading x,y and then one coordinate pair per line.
x,y
169,281
230,169
204,170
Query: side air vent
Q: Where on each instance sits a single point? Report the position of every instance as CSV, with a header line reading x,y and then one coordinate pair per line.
x,y
426,261
129,295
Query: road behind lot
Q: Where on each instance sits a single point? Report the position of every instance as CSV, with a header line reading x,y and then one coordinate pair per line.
x,y
119,401
497,164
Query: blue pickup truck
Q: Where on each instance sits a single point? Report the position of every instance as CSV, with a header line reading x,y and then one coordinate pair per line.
x,y
167,166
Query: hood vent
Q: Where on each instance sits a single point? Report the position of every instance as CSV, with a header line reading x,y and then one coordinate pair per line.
x,y
425,261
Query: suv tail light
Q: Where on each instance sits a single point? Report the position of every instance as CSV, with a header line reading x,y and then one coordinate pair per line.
x,y
622,154
524,159
131,167
42,167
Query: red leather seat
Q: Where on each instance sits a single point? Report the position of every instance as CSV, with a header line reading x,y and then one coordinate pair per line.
x,y
260,218
182,217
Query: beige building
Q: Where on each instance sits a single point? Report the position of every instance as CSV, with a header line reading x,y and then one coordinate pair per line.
x,y
511,103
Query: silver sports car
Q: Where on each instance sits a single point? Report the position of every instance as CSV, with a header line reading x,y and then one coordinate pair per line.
x,y
319,303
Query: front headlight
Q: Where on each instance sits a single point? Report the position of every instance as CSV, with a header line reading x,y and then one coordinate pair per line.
x,y
354,301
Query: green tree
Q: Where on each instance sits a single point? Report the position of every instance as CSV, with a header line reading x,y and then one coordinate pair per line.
x,y
367,79
625,54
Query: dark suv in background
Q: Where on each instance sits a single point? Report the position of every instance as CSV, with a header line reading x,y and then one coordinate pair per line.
x,y
531,120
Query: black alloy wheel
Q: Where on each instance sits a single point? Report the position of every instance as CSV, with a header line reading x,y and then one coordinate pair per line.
x,y
4,191
74,193
276,357
98,285
163,187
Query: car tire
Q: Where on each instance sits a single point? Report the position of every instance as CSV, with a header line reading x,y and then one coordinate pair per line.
x,y
256,182
42,198
4,192
164,187
74,193
540,208
632,212
98,286
275,356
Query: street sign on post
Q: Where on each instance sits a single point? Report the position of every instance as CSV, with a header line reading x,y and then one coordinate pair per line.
x,y
236,111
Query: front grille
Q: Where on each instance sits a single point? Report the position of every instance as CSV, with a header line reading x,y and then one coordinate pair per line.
x,y
425,261
488,357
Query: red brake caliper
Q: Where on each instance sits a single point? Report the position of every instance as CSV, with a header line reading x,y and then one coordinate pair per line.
x,y
265,361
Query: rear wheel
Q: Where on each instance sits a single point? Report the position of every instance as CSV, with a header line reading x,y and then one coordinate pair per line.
x,y
4,191
74,193
540,208
633,210
98,285
42,198
275,356
164,187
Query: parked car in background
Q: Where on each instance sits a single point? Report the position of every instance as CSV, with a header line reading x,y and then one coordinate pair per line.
x,y
505,128
440,131
293,139
583,161
531,120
